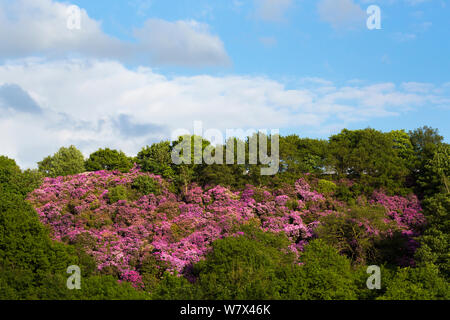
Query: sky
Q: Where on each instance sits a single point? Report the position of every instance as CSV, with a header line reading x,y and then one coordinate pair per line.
x,y
124,74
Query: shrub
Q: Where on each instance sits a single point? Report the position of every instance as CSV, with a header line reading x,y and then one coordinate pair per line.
x,y
326,187
146,185
117,193
245,267
173,287
324,275
422,283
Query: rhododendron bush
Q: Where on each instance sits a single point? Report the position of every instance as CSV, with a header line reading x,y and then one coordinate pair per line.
x,y
125,220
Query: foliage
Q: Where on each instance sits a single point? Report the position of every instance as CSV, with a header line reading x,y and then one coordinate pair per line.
x,y
32,266
422,283
222,231
324,274
249,266
67,161
173,287
146,185
107,159
369,156
125,232
117,193
326,187
157,159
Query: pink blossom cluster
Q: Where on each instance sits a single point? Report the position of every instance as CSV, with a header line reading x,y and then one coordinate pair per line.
x,y
303,189
178,229
406,211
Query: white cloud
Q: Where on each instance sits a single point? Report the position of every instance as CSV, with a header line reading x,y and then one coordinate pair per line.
x,y
141,6
417,87
30,27
315,81
181,42
95,104
272,10
341,13
39,28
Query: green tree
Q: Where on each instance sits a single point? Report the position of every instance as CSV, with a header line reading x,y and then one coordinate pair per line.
x,y
347,232
422,283
434,249
157,159
301,155
33,266
146,185
425,142
369,156
107,159
435,171
246,267
324,275
27,254
425,139
67,161
192,164
174,287
232,174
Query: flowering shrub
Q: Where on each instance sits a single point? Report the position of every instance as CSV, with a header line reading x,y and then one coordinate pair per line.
x,y
125,220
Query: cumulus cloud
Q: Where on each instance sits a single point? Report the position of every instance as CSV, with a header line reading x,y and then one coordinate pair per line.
x,y
418,87
14,98
181,42
93,104
341,13
29,27
127,128
39,27
272,10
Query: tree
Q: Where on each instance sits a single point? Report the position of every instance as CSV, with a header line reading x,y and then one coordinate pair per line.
x,y
32,265
402,144
67,161
434,171
324,275
369,156
157,159
107,159
27,253
227,174
192,164
246,267
347,232
425,139
434,249
422,283
301,155
434,186
173,287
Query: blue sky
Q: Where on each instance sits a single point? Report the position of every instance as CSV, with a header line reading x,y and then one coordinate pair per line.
x,y
413,44
305,67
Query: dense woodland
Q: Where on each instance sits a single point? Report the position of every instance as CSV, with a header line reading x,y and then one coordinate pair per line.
x,y
144,228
